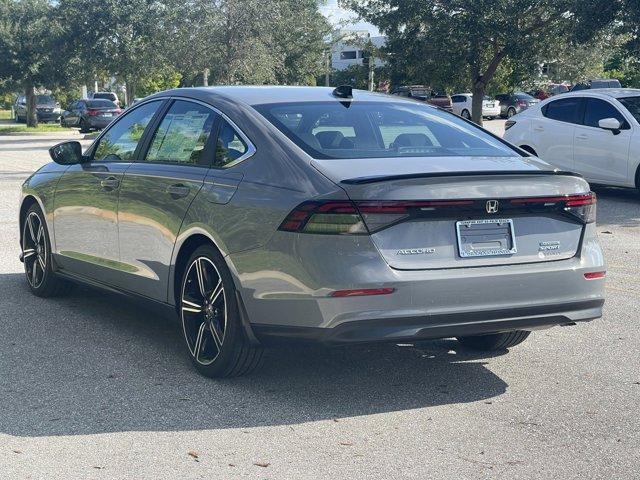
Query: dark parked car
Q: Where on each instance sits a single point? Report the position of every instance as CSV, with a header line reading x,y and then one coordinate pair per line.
x,y
424,94
512,103
90,114
257,214
47,109
601,83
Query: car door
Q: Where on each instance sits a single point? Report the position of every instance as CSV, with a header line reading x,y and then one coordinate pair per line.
x,y
157,191
86,199
552,131
456,103
601,155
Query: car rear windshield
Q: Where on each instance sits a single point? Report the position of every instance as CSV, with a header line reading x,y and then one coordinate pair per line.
x,y
342,130
524,96
632,104
108,96
101,104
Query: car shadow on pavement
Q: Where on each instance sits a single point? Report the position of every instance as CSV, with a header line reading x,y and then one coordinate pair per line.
x,y
93,362
613,206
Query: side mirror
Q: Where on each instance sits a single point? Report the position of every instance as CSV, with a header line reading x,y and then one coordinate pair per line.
x,y
612,124
67,153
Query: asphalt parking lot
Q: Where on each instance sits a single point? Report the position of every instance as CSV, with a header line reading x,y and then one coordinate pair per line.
x,y
94,386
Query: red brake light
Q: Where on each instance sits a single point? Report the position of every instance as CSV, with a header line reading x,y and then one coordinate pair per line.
x,y
594,275
92,113
357,218
582,206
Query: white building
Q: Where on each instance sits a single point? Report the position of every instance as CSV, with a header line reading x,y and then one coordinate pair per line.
x,y
348,50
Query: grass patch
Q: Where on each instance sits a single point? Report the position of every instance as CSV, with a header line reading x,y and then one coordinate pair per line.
x,y
11,128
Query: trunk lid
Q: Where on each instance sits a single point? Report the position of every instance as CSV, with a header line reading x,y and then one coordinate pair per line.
x,y
447,220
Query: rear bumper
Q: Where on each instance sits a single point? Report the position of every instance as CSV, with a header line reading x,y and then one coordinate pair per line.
x,y
99,122
282,299
437,326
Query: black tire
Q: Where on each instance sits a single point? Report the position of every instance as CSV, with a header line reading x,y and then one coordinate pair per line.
x,y
37,258
511,112
211,325
465,114
495,341
84,128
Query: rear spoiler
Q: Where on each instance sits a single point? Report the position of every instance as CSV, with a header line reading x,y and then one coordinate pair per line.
x,y
407,176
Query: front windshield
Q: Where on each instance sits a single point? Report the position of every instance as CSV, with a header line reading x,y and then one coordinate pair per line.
x,y
44,100
632,104
342,130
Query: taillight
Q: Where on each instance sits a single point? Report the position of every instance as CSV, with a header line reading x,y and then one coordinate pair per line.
x,y
522,103
361,217
329,217
582,206
92,113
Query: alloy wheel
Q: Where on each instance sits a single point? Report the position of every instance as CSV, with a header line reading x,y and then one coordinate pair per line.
x,y
203,310
34,250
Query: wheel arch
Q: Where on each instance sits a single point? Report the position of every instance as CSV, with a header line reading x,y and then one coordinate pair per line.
x,y
529,149
27,202
182,254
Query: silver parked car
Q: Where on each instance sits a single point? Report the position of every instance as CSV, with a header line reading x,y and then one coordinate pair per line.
x,y
268,213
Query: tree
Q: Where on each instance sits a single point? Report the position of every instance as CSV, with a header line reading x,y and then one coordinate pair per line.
x,y
454,39
248,41
32,49
125,39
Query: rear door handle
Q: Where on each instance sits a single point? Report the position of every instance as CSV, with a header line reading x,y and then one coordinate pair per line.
x,y
582,137
538,128
110,183
178,190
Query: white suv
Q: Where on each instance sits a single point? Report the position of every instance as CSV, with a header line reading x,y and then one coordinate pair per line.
x,y
592,132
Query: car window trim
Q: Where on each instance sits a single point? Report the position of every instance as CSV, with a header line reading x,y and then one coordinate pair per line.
x,y
92,148
581,108
149,134
251,149
627,124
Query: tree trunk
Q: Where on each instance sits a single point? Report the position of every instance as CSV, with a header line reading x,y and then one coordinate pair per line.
x,y
476,102
131,90
32,114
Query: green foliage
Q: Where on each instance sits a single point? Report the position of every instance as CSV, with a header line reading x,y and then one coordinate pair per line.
x,y
464,42
158,81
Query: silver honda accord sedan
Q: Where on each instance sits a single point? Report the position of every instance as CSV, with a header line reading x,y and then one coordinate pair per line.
x,y
263,214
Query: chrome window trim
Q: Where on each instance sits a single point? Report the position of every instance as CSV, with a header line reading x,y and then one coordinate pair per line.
x,y
251,149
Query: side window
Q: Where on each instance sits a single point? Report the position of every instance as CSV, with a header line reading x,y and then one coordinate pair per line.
x,y
182,135
565,110
598,109
119,143
457,99
230,145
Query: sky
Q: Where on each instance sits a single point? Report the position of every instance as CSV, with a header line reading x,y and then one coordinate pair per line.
x,y
336,14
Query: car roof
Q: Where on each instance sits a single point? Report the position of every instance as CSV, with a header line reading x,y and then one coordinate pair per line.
x,y
606,92
257,95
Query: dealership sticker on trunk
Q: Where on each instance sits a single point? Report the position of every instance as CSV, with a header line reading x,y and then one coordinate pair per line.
x,y
486,238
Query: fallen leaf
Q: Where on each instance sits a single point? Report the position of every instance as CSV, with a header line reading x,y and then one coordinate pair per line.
x,y
192,454
607,232
98,467
347,444
232,465
261,464
17,451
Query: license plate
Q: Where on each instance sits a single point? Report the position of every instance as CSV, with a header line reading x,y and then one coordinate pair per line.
x,y
106,114
489,105
486,238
